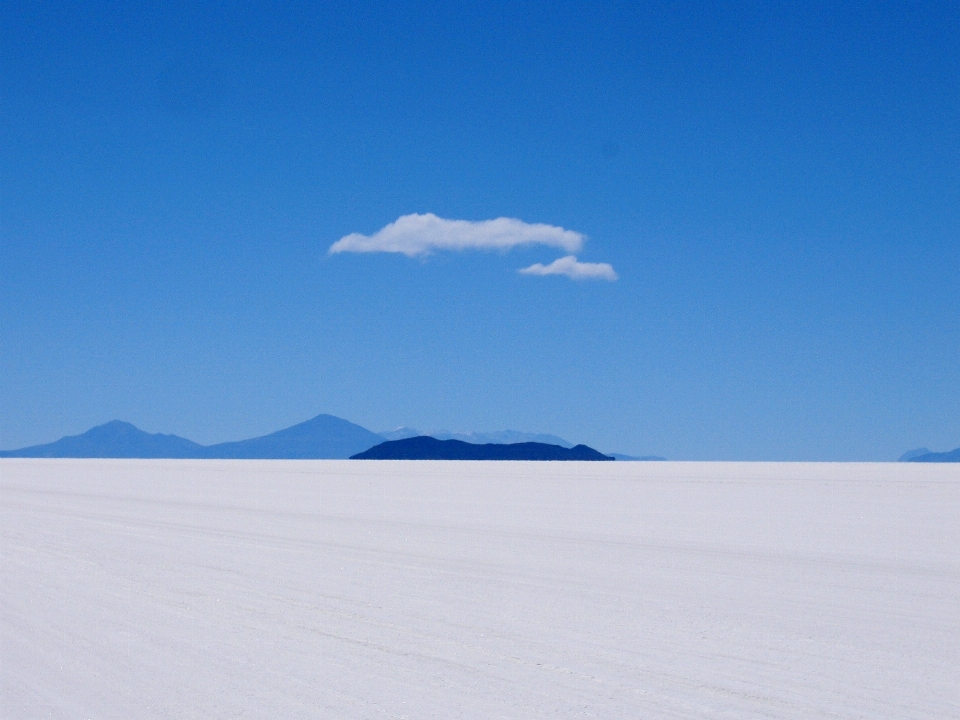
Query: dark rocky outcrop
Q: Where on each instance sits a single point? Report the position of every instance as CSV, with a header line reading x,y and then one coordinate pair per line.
x,y
425,447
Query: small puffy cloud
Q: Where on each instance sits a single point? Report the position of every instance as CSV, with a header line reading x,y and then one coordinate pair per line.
x,y
574,269
417,235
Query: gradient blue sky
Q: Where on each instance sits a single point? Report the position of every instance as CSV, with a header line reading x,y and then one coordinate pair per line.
x,y
778,188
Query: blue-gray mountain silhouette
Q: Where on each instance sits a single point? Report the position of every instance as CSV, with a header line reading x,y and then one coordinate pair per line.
x,y
952,456
502,437
399,433
114,439
911,454
425,447
323,437
497,437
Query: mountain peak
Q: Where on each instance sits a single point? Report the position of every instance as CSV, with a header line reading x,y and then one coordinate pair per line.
x,y
114,439
323,436
114,427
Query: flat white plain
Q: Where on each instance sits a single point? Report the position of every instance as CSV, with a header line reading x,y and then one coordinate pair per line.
x,y
346,589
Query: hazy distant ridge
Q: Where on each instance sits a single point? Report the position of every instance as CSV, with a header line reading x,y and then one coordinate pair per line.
x,y
115,439
504,437
911,454
952,456
323,437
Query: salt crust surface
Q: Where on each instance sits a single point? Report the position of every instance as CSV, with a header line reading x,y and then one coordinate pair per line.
x,y
346,589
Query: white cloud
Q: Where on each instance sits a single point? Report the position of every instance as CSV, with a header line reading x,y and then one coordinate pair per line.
x,y
574,269
415,235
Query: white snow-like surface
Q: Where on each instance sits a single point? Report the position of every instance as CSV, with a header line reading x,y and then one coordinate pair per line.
x,y
346,589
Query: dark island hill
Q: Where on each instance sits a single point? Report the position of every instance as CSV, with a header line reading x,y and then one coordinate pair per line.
x,y
425,447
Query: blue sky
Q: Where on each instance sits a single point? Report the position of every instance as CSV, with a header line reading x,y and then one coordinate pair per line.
x,y
776,188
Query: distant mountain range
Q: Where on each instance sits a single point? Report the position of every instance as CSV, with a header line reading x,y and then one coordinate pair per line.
x,y
425,447
930,457
621,457
911,454
503,437
323,437
115,439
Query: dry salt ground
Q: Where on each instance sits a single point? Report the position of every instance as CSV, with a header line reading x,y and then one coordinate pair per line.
x,y
329,589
